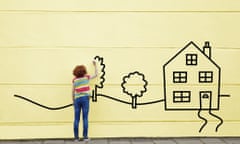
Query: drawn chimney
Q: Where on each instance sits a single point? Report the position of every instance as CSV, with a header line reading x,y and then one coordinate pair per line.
x,y
207,49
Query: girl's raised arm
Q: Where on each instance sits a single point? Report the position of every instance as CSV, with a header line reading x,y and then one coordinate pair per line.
x,y
96,71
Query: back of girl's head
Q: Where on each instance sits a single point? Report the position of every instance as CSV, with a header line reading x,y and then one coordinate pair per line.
x,y
79,71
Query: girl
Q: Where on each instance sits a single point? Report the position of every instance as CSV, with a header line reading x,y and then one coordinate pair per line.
x,y
80,95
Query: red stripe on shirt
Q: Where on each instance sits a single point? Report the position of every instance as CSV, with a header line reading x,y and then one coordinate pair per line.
x,y
82,89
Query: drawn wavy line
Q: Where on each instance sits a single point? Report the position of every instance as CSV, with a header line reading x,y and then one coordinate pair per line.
x,y
43,106
151,102
126,102
219,118
66,106
115,99
205,120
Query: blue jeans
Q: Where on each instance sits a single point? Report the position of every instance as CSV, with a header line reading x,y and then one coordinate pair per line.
x,y
81,103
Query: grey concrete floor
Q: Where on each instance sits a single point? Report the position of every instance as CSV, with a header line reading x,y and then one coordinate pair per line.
x,y
222,140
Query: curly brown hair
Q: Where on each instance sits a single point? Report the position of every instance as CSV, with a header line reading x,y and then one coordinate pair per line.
x,y
79,71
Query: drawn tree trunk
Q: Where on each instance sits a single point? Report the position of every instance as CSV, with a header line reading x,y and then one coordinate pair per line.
x,y
134,85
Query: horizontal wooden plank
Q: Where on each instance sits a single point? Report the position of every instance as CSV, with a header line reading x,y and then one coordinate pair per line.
x,y
122,5
54,66
130,129
74,30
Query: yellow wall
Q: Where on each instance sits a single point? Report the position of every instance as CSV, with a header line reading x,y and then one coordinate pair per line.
x,y
42,41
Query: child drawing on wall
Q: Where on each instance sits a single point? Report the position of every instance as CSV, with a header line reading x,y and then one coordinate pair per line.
x,y
80,94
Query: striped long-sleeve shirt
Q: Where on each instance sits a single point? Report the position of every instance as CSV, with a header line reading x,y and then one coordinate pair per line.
x,y
81,86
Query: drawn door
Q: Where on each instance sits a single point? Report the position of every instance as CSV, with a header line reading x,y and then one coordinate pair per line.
x,y
205,100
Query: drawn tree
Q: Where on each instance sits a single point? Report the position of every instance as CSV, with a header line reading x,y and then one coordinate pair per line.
x,y
101,76
134,84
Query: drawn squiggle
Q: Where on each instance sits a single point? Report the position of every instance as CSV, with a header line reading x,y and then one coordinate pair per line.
x,y
69,105
219,118
126,102
205,120
41,105
100,59
102,78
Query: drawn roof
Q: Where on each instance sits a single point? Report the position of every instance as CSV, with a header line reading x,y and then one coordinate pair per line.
x,y
199,49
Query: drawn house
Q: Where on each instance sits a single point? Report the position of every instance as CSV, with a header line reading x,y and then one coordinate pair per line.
x,y
192,80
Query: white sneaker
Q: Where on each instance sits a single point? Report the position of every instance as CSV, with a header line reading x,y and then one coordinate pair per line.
x,y
86,139
76,140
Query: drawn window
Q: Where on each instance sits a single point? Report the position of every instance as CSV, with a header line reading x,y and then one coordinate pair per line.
x,y
181,96
191,59
179,77
205,76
